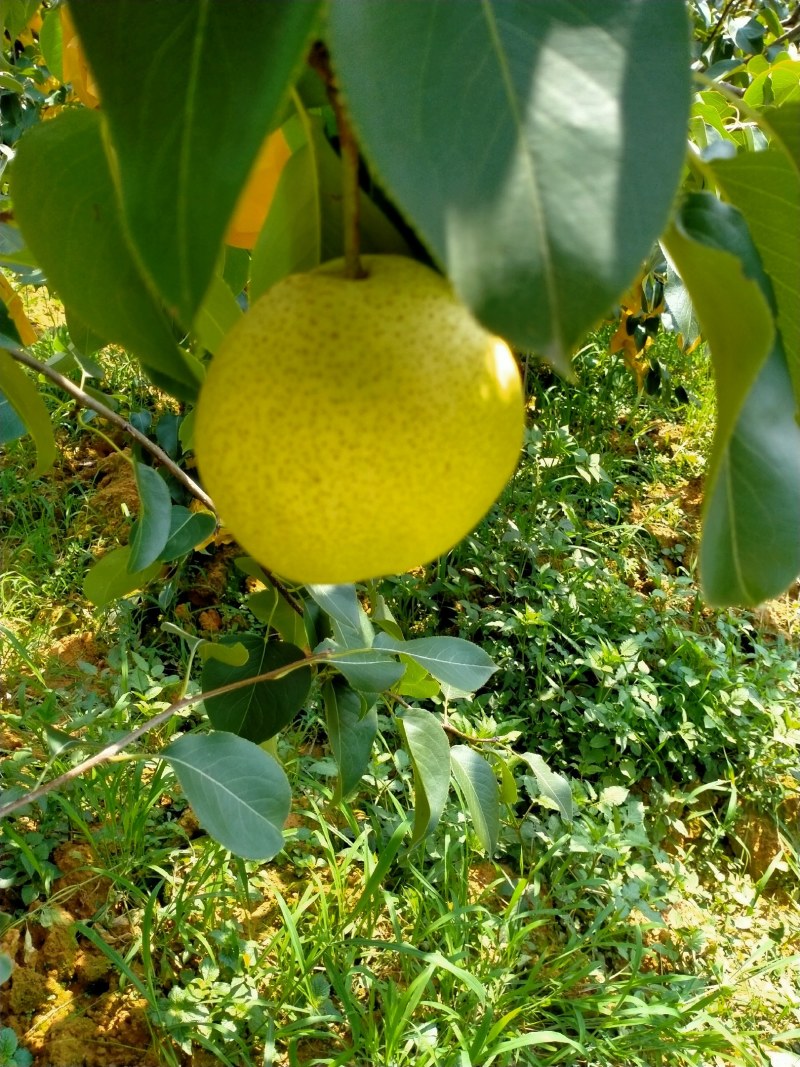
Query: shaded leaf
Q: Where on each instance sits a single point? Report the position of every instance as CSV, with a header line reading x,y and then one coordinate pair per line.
x,y
18,389
765,187
109,578
257,712
351,732
541,179
451,660
429,750
239,793
271,608
217,314
341,604
152,528
181,166
73,228
233,653
478,784
186,530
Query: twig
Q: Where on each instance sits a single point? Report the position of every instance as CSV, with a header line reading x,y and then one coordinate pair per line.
x,y
117,746
88,401
348,145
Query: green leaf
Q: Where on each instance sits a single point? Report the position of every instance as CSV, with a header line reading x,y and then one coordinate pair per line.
x,y
784,124
429,750
186,530
50,43
547,142
73,228
85,340
218,313
152,528
416,683
233,653
19,390
11,425
6,967
750,549
554,786
271,608
765,187
712,252
340,603
184,139
239,793
109,578
304,226
369,671
451,660
351,733
478,784
257,712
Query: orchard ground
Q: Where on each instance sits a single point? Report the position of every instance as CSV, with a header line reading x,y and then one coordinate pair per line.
x,y
660,928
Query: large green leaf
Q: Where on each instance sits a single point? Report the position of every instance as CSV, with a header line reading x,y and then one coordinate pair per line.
x,y
71,223
257,712
369,671
151,532
765,187
186,530
784,123
190,90
547,141
340,603
750,548
239,792
430,758
450,660
478,785
351,732
304,226
18,389
714,255
109,578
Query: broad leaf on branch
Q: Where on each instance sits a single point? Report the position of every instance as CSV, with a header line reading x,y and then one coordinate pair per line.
x,y
536,147
370,670
151,530
765,187
187,529
352,728
429,750
451,660
750,549
72,226
239,792
257,712
186,116
110,577
478,785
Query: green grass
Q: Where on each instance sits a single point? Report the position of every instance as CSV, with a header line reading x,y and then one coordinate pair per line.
x,y
642,934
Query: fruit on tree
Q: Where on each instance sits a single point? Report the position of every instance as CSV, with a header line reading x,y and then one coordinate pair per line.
x,y
349,429
256,197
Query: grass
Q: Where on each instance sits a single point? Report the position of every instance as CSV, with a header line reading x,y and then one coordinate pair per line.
x,y
659,928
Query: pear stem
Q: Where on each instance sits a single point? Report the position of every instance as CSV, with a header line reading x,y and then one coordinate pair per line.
x,y
348,145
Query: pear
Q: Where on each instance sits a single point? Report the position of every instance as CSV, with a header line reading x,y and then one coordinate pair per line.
x,y
349,429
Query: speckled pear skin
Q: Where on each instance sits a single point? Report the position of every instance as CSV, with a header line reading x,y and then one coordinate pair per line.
x,y
352,429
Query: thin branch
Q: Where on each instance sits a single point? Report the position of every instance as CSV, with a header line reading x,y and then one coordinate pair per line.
x,y
88,401
117,746
320,61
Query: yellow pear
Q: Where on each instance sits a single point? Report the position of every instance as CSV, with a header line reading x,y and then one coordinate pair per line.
x,y
352,429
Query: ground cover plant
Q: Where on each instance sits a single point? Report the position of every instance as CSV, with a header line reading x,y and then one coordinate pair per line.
x,y
574,691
